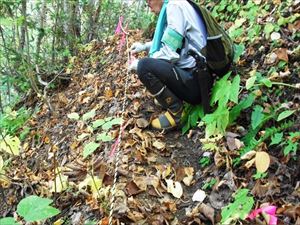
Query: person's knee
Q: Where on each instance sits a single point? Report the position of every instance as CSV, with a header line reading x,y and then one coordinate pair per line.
x,y
143,68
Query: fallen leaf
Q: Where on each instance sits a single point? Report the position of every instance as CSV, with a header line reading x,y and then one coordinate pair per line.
x,y
292,211
199,196
219,160
142,123
132,189
189,171
270,188
262,161
250,163
174,188
141,182
135,216
159,145
282,54
11,145
208,212
249,155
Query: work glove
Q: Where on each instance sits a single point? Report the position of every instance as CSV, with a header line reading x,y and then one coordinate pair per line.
x,y
133,65
139,47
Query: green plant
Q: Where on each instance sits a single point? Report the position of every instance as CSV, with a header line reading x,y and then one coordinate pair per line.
x,y
95,126
11,121
223,92
33,209
209,184
205,161
239,209
259,175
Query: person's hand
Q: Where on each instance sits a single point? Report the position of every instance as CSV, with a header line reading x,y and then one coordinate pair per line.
x,y
138,47
133,65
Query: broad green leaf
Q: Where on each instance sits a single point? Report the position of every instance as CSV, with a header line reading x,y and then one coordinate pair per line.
x,y
244,104
221,91
90,222
73,116
108,118
109,124
285,114
8,221
89,115
89,149
276,138
216,122
34,208
257,116
266,82
104,137
194,117
239,50
98,123
269,27
239,209
250,82
187,126
235,88
82,136
10,145
291,147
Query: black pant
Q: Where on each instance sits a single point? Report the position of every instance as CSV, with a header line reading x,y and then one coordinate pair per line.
x,y
156,73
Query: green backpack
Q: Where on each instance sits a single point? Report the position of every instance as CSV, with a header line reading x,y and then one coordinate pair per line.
x,y
219,50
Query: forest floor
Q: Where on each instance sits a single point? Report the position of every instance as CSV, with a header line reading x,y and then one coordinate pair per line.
x,y
153,166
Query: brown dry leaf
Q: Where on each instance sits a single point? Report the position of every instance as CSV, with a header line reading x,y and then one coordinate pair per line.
x,y
250,163
104,221
233,143
170,205
292,211
141,183
135,216
180,173
219,160
249,155
268,189
208,212
159,145
108,93
132,189
282,54
262,161
189,171
142,123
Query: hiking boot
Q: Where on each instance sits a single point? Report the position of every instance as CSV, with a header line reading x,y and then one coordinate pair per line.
x,y
171,118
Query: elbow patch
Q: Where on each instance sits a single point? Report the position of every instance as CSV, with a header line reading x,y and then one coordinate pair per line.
x,y
172,39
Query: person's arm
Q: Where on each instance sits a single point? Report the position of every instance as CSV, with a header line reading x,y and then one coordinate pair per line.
x,y
173,35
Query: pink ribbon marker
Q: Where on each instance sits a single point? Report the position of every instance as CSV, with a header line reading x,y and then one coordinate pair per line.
x,y
268,212
119,29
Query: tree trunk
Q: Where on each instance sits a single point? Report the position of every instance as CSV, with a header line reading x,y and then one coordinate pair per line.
x,y
74,24
23,27
93,26
41,34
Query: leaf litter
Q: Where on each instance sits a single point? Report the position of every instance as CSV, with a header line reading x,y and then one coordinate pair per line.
x,y
160,177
